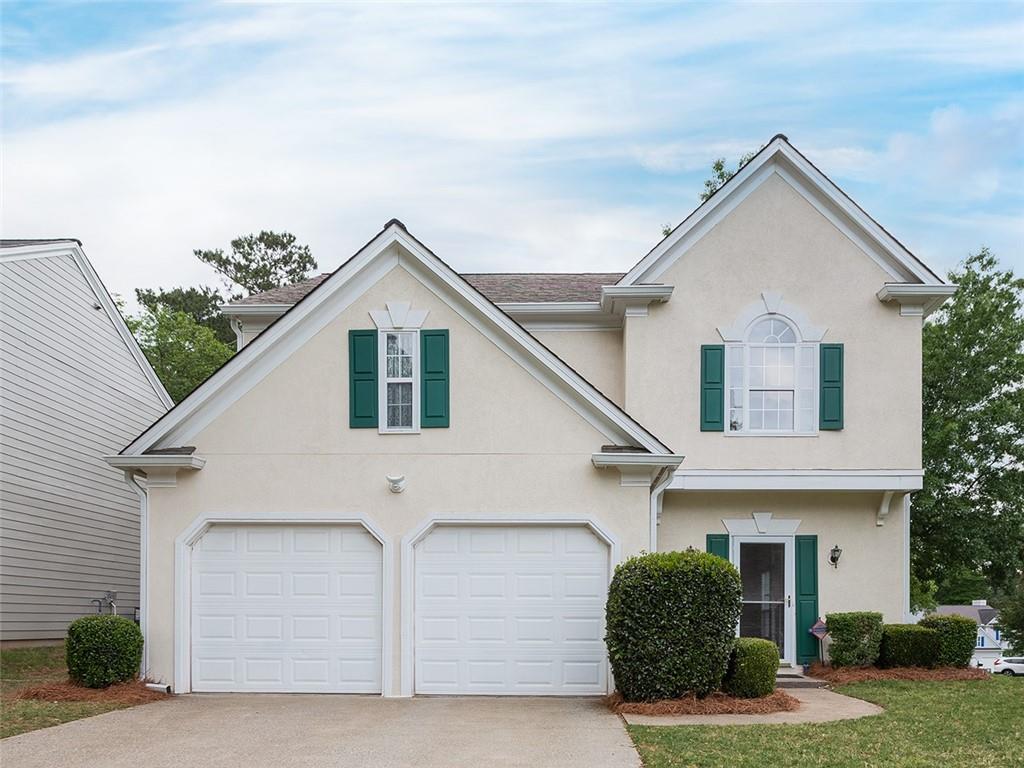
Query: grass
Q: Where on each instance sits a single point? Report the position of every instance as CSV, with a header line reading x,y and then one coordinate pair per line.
x,y
963,723
24,667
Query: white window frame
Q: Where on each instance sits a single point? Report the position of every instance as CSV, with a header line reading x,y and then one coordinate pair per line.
x,y
383,381
745,347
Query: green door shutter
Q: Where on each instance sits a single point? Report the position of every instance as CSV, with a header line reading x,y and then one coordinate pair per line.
x,y
712,388
806,598
718,544
434,405
362,379
831,394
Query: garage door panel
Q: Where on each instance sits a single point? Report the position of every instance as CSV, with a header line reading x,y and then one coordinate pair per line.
x,y
286,608
512,610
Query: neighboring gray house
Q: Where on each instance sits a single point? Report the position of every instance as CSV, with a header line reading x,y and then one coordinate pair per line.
x,y
990,644
74,386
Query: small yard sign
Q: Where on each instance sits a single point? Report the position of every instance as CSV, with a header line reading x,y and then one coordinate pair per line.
x,y
818,629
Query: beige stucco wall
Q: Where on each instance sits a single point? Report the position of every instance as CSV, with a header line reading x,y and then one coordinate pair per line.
x,y
870,573
513,450
776,241
595,354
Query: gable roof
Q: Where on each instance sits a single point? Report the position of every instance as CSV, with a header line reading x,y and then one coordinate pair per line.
x,y
20,250
982,614
498,287
393,245
782,158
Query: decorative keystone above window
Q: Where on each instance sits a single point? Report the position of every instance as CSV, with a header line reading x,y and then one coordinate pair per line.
x,y
398,315
772,304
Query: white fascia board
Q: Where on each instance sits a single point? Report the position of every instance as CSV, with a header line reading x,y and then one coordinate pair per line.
x,y
561,316
156,461
99,290
916,299
334,295
903,480
780,157
624,299
603,460
248,310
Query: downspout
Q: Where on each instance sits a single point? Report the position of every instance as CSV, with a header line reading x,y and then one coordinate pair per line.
x,y
661,482
129,477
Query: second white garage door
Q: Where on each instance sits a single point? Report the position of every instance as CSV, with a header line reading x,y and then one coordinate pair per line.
x,y
510,610
286,608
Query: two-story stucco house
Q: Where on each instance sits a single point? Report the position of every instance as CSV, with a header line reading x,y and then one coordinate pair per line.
x,y
414,481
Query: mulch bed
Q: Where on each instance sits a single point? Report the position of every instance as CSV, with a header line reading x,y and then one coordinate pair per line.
x,y
715,704
844,675
132,692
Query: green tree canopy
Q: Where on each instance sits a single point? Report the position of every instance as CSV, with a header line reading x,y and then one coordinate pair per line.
x,y
260,262
202,304
970,515
720,174
182,352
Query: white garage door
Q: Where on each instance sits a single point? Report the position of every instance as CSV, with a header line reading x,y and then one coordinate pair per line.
x,y
510,610
286,608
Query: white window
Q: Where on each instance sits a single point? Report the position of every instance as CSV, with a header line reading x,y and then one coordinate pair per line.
x,y
399,395
772,380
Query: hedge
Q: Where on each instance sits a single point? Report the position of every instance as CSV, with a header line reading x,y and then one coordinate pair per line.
x,y
753,665
671,624
102,650
957,638
855,638
908,645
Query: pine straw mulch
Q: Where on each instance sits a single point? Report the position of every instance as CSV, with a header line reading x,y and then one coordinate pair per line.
x,y
715,704
844,675
132,692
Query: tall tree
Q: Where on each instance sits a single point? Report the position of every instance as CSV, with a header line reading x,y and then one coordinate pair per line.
x,y
1011,617
182,352
969,517
260,262
202,304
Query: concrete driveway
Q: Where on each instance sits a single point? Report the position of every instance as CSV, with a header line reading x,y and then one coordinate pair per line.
x,y
279,731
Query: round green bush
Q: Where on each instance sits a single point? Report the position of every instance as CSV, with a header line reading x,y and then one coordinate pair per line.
x,y
752,668
103,650
855,638
671,623
908,645
957,638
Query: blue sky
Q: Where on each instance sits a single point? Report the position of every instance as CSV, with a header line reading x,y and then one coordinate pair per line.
x,y
508,137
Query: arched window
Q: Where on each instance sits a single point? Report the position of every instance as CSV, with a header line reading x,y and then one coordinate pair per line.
x,y
772,379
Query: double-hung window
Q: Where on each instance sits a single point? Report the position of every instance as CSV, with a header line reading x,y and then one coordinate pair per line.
x,y
772,381
400,393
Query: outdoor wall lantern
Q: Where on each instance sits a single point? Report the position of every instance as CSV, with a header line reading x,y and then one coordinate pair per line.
x,y
834,555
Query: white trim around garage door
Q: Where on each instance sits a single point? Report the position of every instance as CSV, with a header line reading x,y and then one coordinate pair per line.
x,y
410,540
183,575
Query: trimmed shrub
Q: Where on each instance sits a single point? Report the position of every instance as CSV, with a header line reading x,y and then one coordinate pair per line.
x,y
855,637
753,665
957,636
908,645
102,650
671,623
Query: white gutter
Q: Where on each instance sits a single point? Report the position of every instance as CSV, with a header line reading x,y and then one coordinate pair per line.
x,y
146,461
657,497
129,477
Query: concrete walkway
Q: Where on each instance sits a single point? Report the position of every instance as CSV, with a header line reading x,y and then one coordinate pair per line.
x,y
280,731
817,705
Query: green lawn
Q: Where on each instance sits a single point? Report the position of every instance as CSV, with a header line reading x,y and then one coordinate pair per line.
x,y
22,667
974,724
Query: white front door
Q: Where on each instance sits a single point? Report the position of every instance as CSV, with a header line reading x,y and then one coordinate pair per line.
x,y
286,608
767,570
510,610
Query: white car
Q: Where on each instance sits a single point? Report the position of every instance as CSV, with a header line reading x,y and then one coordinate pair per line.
x,y
1008,666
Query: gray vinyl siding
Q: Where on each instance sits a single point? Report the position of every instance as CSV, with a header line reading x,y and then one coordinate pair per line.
x,y
71,392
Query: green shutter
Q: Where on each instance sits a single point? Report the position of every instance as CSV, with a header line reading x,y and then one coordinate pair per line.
x,y
831,395
434,403
806,598
718,544
362,379
712,388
